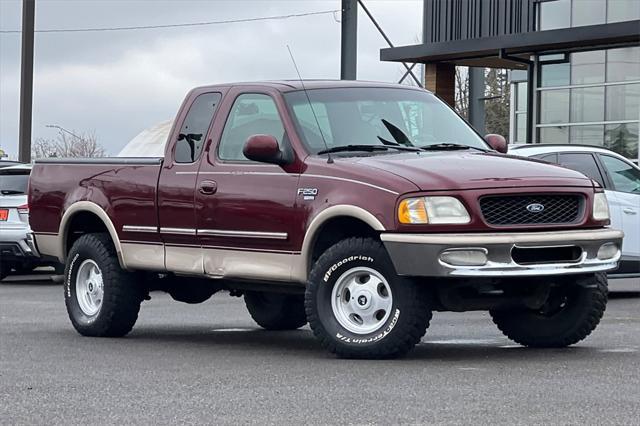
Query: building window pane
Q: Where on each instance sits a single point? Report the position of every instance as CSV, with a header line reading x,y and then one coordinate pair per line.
x,y
521,97
623,102
554,134
623,139
588,12
554,106
623,10
521,127
518,75
587,67
587,135
587,104
623,64
555,14
554,75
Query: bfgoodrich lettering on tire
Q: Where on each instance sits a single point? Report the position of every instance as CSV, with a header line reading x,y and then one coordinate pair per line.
x,y
358,307
102,299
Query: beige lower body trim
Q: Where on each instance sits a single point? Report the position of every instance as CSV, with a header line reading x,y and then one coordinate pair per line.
x,y
184,260
49,244
223,263
143,256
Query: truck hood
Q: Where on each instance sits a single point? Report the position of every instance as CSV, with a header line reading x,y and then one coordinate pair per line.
x,y
453,170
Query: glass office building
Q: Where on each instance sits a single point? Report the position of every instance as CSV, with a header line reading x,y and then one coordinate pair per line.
x,y
575,63
587,97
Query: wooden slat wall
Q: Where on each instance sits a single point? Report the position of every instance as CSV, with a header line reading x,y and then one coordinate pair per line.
x,y
447,20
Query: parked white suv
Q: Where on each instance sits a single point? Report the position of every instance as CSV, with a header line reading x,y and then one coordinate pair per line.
x,y
17,251
621,180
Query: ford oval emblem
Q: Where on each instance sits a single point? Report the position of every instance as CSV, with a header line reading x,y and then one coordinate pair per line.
x,y
535,207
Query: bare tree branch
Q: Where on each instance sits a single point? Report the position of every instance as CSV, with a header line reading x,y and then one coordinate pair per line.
x,y
65,145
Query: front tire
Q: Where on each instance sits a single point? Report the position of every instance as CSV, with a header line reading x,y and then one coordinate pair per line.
x,y
570,314
273,311
358,307
102,299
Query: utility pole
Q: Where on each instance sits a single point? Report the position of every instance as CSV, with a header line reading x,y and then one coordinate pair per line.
x,y
26,80
477,99
349,40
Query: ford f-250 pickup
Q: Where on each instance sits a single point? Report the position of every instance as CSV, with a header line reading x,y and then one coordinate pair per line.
x,y
358,207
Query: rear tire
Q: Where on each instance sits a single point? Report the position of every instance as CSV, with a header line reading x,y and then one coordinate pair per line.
x,y
358,307
572,312
102,299
273,311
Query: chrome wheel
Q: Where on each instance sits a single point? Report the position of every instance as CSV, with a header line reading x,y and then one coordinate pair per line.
x,y
89,287
361,300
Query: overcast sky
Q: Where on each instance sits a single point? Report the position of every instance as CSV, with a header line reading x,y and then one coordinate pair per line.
x,y
118,83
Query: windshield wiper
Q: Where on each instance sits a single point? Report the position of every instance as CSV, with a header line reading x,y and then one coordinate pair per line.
x,y
11,192
365,148
370,148
398,146
444,146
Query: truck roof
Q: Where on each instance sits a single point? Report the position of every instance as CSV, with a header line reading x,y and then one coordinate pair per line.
x,y
293,85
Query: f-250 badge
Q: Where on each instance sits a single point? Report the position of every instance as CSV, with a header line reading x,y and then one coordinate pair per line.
x,y
308,193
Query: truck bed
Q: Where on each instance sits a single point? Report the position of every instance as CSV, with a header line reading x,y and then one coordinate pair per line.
x,y
125,188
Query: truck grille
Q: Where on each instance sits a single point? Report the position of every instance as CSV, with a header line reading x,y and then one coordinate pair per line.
x,y
526,209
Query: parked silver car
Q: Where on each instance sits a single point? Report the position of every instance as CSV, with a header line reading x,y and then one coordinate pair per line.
x,y
17,251
620,179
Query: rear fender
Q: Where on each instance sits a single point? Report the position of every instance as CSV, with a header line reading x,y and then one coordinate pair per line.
x,y
86,206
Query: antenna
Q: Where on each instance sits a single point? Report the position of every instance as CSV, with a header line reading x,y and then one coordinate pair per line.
x,y
329,159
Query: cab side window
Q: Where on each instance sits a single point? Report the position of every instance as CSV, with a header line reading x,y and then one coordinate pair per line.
x,y
194,129
251,114
583,163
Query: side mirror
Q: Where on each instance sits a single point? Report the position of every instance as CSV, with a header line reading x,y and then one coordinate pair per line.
x,y
265,149
497,142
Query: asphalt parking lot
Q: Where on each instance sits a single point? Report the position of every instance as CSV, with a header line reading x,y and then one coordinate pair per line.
x,y
210,364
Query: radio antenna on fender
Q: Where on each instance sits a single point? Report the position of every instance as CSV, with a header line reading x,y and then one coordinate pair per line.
x,y
304,89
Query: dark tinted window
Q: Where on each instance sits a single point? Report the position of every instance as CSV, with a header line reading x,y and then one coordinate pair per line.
x,y
13,181
194,129
583,163
551,158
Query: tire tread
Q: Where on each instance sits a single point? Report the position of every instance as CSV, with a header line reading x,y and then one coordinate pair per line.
x,y
597,286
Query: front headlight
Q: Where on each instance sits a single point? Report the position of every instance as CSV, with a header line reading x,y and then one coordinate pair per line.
x,y
600,207
434,210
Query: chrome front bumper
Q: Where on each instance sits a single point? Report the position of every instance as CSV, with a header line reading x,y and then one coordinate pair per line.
x,y
422,254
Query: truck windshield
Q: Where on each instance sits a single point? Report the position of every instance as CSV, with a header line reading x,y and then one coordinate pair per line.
x,y
377,116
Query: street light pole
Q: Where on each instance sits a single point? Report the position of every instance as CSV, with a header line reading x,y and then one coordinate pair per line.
x,y
26,80
349,40
62,129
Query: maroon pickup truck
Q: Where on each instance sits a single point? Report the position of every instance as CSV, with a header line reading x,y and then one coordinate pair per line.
x,y
358,207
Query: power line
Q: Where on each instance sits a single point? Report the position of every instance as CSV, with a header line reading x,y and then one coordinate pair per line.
x,y
188,24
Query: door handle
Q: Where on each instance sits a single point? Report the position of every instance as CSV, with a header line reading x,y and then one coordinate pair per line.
x,y
629,211
208,187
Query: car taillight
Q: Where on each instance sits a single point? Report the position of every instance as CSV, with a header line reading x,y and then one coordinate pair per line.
x,y
23,209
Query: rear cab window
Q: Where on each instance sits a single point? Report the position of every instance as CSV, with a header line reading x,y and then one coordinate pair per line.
x,y
195,126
